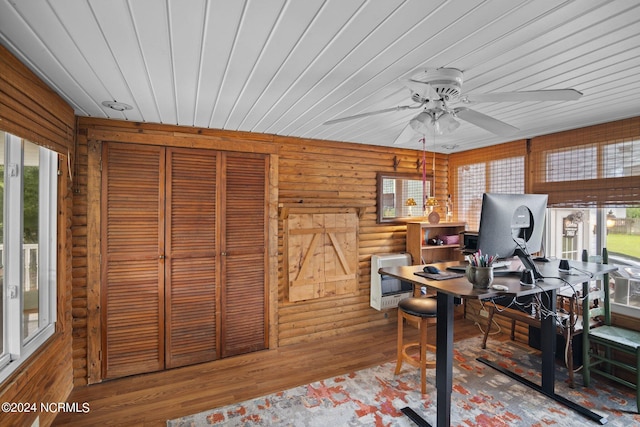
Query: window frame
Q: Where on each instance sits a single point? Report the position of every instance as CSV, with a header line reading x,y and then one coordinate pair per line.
x,y
16,349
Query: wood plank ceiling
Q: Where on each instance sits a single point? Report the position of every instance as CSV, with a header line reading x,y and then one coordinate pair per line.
x,y
286,66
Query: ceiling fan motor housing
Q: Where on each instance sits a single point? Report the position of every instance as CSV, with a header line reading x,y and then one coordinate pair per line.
x,y
447,82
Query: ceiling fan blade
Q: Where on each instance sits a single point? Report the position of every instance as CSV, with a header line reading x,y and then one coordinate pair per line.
x,y
424,90
370,113
534,95
486,122
405,136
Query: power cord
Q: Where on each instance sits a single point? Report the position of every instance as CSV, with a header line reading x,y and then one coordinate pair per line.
x,y
493,321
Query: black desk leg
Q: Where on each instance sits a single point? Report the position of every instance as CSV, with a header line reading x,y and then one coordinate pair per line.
x,y
548,344
548,349
444,358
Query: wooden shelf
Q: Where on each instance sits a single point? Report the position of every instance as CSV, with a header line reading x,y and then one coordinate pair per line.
x,y
284,209
423,253
434,247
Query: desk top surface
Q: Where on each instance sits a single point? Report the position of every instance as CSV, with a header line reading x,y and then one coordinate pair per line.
x,y
461,287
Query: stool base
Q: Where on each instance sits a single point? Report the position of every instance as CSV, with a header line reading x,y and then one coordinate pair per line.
x,y
423,347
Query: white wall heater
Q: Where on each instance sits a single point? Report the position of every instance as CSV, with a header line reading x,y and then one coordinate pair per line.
x,y
386,291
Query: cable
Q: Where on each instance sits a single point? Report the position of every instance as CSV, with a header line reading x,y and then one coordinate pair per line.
x,y
585,272
493,321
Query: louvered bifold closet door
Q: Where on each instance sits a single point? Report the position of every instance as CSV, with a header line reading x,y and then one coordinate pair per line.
x,y
244,233
191,312
133,271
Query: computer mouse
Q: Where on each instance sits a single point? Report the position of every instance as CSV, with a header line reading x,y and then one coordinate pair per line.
x,y
431,269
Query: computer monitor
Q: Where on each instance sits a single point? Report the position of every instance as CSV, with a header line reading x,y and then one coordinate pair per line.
x,y
512,224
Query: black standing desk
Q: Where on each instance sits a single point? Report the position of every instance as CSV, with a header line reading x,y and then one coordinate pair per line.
x,y
449,289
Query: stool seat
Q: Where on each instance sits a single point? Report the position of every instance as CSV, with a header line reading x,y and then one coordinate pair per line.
x,y
421,307
424,310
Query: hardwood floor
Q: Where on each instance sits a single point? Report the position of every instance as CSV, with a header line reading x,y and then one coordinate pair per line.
x,y
151,399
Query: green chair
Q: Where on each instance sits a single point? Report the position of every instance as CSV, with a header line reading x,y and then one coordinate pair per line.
x,y
608,349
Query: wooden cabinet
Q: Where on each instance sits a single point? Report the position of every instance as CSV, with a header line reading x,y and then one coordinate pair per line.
x,y
419,234
184,259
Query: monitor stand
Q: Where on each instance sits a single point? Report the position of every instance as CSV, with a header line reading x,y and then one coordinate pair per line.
x,y
528,263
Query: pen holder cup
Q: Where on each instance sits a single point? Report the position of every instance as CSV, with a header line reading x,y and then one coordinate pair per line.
x,y
480,277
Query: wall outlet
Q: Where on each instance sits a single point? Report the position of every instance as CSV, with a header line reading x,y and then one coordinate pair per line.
x,y
484,313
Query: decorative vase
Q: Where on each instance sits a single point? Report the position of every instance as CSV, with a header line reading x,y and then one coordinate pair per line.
x,y
434,217
480,277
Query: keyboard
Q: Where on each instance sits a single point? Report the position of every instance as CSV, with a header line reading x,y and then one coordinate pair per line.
x,y
502,264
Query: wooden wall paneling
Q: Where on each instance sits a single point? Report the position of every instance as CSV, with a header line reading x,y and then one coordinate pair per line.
x,y
327,173
79,291
327,318
92,330
177,136
49,380
273,259
191,286
29,109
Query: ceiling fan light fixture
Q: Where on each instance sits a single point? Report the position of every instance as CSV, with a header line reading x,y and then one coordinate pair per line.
x,y
448,123
444,124
419,122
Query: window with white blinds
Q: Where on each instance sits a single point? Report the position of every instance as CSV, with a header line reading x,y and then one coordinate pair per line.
x,y
597,166
576,163
472,183
621,159
498,169
593,161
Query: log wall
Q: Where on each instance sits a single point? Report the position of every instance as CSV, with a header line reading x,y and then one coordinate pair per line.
x,y
30,110
318,173
309,174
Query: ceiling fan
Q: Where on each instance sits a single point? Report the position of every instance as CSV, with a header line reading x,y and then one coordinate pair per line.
x,y
433,90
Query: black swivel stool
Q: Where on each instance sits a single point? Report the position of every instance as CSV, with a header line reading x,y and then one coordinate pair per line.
x,y
424,311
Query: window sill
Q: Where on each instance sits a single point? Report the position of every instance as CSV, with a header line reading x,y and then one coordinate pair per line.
x,y
35,344
625,310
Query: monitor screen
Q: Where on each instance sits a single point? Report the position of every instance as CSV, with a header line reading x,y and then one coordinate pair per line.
x,y
512,224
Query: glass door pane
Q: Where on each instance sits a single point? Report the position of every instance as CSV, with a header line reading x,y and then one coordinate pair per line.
x,y
31,209
623,244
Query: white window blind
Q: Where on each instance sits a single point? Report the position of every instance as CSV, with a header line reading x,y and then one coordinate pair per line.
x,y
497,169
597,166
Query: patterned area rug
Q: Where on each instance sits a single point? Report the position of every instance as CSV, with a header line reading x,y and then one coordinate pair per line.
x,y
481,397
